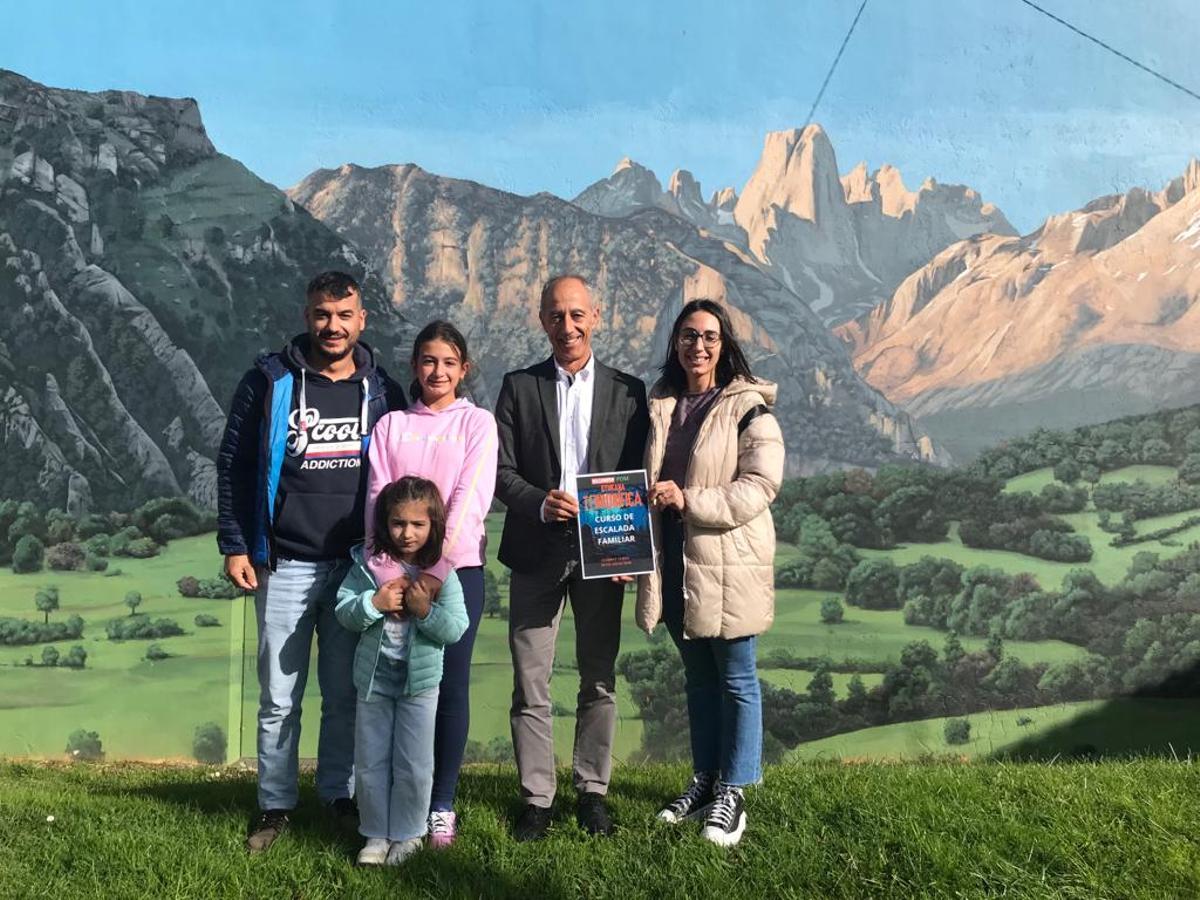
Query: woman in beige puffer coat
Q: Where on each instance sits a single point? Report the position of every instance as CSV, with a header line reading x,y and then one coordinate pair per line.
x,y
714,460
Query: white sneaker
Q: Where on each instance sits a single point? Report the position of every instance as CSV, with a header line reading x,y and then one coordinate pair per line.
x,y
402,850
374,852
726,819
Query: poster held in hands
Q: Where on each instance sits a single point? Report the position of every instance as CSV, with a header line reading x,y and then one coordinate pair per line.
x,y
614,524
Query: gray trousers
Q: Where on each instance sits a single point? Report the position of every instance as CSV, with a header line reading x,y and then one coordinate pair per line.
x,y
536,604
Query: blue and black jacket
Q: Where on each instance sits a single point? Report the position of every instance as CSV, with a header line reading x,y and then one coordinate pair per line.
x,y
252,451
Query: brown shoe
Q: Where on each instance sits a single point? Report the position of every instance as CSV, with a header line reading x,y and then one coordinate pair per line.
x,y
268,825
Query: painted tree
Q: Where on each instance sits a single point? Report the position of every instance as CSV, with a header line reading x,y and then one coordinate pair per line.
x,y
133,600
28,555
209,743
957,731
83,744
820,688
831,611
491,595
76,658
47,602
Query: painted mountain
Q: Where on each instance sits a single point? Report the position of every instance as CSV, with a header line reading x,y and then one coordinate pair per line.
x,y
843,244
1092,316
478,256
141,272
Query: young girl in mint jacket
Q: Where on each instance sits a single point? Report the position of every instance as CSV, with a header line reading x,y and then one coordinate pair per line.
x,y
398,667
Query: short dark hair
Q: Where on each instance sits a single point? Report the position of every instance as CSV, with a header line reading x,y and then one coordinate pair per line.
x,y
549,286
422,490
337,285
438,330
731,362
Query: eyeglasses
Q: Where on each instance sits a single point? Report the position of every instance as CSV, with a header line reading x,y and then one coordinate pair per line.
x,y
689,336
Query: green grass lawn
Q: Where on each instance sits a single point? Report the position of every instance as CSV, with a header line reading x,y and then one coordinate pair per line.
x,y
141,709
1037,479
1109,563
1078,830
1170,520
1125,726
874,634
798,679
149,710
1151,474
1032,482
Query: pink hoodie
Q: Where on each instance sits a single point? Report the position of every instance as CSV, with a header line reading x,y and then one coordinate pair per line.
x,y
456,449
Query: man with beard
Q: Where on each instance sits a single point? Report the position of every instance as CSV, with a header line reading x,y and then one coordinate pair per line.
x,y
291,486
566,416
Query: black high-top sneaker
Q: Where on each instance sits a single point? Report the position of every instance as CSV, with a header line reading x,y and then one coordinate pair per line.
x,y
693,802
726,819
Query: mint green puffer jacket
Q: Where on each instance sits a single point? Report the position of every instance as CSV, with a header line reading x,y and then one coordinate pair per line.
x,y
445,624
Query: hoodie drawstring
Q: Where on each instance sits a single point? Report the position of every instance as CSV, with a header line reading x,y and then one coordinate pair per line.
x,y
362,417
303,401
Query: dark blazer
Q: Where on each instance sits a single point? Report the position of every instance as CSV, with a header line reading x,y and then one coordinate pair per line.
x,y
530,463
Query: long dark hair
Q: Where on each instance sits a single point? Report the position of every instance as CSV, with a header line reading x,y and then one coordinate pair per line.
x,y
730,363
406,489
439,330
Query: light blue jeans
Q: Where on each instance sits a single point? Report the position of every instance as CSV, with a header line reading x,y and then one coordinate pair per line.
x,y
292,603
724,698
393,755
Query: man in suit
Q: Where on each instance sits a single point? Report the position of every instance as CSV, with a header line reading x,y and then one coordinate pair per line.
x,y
565,416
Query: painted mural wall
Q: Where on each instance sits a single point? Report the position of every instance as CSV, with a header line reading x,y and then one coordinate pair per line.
x,y
990,538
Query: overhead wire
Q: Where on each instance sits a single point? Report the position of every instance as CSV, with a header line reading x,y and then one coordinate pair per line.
x,y
1113,50
833,68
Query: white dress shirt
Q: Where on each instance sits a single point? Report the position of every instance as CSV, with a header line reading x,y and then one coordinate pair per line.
x,y
574,396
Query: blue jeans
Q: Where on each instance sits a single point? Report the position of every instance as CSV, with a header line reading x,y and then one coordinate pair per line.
x,y
724,698
454,698
394,755
292,602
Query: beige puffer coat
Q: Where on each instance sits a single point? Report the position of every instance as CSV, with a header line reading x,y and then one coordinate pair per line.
x,y
729,536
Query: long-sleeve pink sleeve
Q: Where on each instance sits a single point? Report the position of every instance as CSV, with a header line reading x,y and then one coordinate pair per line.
x,y
470,498
379,476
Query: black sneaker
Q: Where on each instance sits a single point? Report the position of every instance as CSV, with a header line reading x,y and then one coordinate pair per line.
x,y
343,813
726,819
268,825
532,823
592,814
693,802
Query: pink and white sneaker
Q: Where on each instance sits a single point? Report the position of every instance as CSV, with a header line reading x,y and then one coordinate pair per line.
x,y
442,829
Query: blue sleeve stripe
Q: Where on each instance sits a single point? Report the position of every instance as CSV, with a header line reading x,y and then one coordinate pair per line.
x,y
281,406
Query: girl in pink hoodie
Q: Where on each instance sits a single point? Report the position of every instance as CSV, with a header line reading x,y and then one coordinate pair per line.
x,y
450,441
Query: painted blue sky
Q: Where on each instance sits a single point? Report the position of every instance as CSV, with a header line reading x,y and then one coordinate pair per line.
x,y
548,96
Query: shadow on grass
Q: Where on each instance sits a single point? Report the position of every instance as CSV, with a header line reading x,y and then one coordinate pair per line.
x,y
1124,727
488,803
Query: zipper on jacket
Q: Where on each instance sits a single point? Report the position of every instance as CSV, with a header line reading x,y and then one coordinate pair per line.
x,y
379,646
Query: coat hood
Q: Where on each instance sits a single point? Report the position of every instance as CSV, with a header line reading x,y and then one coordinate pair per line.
x,y
295,357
